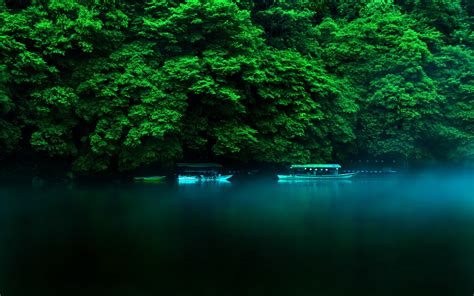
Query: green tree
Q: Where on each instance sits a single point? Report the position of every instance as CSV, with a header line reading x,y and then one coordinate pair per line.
x,y
108,86
454,74
386,55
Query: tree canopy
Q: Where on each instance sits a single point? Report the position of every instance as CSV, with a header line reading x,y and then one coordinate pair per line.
x,y
110,86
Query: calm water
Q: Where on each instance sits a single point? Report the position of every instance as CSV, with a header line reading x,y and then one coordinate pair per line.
x,y
386,236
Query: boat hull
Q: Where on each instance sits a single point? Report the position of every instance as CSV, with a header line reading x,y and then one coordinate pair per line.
x,y
204,179
188,179
223,178
317,177
150,179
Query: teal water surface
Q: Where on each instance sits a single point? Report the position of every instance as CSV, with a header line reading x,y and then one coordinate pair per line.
x,y
394,235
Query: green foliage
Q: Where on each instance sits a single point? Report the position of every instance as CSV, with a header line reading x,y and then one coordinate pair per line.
x,y
389,57
110,86
9,133
455,80
296,105
289,28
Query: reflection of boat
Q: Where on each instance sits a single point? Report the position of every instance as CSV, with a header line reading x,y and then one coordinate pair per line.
x,y
201,172
312,181
149,179
315,172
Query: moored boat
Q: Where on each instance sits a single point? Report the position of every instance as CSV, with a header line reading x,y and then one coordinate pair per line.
x,y
201,172
188,178
315,172
216,178
149,179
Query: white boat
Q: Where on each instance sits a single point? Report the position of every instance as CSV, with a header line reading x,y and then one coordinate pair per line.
x,y
309,177
315,172
216,178
201,172
188,178
204,178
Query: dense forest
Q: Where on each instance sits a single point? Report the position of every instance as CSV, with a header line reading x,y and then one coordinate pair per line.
x,y
111,86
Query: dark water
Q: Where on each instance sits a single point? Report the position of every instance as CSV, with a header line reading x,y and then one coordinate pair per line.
x,y
388,236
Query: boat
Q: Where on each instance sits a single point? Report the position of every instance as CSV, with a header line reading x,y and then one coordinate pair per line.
x,y
201,172
315,172
187,178
149,179
215,178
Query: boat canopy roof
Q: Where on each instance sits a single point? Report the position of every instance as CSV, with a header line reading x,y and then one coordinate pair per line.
x,y
199,165
315,166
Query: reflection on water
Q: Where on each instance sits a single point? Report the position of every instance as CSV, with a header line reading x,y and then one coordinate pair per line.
x,y
315,182
386,236
204,183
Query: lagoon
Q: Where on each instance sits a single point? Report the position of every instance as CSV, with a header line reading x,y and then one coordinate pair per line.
x,y
392,235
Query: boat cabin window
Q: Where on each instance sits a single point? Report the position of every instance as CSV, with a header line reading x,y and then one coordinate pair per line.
x,y
308,170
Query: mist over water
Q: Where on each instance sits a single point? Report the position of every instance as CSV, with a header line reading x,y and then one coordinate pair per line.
x,y
393,235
